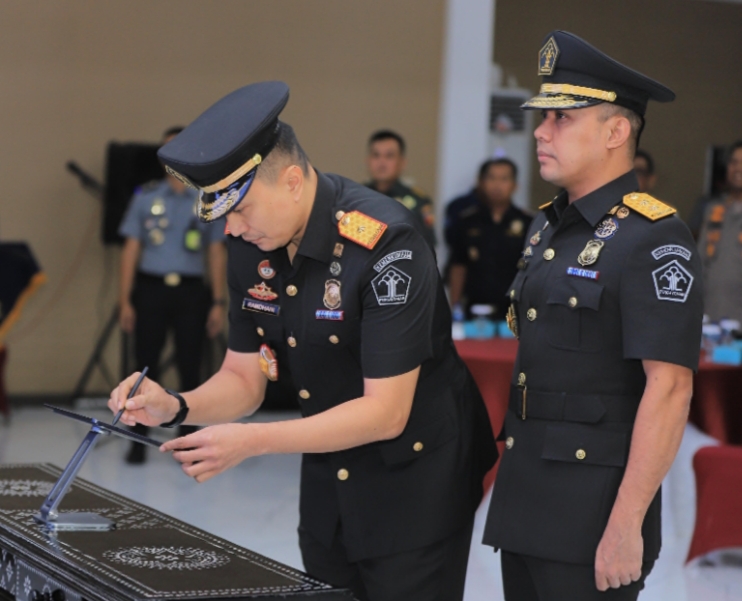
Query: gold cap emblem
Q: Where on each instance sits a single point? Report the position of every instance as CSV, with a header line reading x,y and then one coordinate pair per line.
x,y
547,57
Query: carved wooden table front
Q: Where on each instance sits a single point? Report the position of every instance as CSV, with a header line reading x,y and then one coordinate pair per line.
x,y
149,556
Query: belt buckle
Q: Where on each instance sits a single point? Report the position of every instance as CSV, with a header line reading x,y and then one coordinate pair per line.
x,y
523,403
172,279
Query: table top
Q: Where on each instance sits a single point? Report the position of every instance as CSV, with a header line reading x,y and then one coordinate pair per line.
x,y
148,556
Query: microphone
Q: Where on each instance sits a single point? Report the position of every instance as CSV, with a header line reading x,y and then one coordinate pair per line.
x,y
86,180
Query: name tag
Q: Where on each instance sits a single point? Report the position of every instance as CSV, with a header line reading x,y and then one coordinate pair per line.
x,y
249,304
329,315
583,273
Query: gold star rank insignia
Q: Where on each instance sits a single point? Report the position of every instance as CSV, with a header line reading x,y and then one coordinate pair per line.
x,y
361,229
648,206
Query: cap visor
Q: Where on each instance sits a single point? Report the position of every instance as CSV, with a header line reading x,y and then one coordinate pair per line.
x,y
213,205
558,101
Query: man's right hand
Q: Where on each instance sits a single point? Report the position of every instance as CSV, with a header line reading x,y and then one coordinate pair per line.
x,y
127,317
151,406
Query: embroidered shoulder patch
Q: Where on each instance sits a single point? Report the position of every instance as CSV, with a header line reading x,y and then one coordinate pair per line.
x,y
648,206
672,282
397,255
361,229
391,286
671,249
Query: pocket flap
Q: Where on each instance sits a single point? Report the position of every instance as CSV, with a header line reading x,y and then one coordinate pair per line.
x,y
585,444
419,441
575,293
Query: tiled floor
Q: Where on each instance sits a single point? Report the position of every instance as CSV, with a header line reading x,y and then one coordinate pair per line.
x,y
256,505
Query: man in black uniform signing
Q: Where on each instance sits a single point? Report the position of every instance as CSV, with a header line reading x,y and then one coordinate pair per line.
x,y
336,282
607,305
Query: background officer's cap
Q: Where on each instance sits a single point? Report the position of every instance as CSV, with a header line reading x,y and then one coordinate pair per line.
x,y
219,153
576,74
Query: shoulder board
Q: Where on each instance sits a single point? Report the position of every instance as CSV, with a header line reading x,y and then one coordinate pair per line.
x,y
545,206
361,229
648,206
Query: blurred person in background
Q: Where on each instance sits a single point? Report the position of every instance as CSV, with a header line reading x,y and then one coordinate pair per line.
x,y
644,169
488,241
720,245
386,162
162,285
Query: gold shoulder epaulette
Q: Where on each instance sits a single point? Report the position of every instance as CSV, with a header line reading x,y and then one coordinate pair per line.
x,y
546,205
648,206
361,229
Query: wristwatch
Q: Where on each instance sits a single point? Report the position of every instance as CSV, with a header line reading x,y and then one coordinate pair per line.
x,y
180,417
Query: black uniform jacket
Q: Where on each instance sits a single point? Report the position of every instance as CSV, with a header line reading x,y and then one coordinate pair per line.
x,y
578,380
341,313
490,253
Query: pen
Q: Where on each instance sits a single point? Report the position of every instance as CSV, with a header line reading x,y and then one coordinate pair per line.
x,y
131,394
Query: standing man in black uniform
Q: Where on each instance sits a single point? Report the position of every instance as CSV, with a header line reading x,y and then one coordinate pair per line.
x,y
488,240
608,309
338,283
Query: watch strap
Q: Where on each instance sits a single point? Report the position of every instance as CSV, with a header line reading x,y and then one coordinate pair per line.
x,y
182,412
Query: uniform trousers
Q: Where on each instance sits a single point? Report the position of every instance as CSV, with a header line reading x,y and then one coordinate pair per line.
x,y
527,578
436,572
183,309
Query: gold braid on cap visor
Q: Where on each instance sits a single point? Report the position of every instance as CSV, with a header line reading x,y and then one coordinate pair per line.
x,y
222,183
566,88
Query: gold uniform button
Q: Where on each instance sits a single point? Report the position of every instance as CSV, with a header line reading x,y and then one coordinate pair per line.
x,y
549,254
531,314
304,394
521,379
572,301
334,339
339,215
292,341
417,447
509,442
292,290
580,454
261,331
343,474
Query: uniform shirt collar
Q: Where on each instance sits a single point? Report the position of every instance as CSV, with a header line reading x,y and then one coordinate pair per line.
x,y
595,206
318,240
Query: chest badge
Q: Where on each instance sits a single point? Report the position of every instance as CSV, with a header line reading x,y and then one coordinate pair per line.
x,y
536,238
623,213
516,228
606,229
332,298
335,268
590,253
338,250
262,292
268,363
528,252
265,270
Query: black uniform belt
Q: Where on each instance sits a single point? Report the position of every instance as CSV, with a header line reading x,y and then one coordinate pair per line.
x,y
562,406
170,279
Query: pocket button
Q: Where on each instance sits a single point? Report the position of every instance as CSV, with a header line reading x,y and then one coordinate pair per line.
x,y
580,454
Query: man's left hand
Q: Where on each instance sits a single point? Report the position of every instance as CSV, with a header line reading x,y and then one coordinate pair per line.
x,y
618,561
213,450
215,321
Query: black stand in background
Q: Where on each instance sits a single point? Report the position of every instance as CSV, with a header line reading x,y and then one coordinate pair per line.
x,y
97,190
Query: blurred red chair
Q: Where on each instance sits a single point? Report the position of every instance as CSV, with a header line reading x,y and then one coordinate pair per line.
x,y
718,500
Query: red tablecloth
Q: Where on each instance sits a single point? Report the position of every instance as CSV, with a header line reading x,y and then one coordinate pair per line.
x,y
717,400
